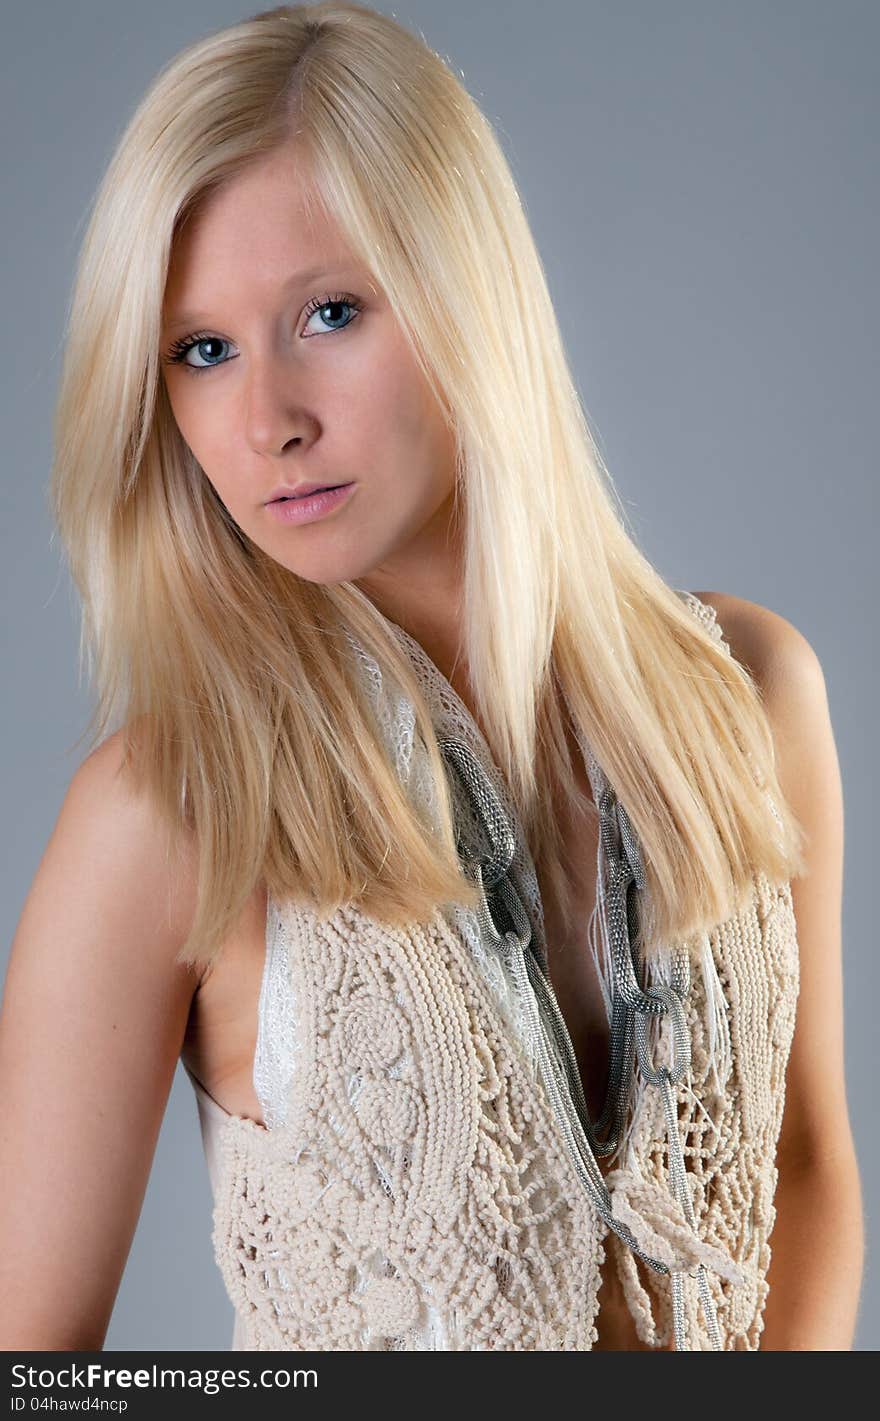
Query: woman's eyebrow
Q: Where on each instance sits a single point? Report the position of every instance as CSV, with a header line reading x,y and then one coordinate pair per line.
x,y
303,277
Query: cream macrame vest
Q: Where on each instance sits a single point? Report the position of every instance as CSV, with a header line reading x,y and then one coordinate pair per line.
x,y
419,1184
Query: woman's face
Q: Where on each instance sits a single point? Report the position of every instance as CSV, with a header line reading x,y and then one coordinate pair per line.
x,y
296,370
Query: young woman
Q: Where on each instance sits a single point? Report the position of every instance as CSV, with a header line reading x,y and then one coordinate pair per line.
x,y
489,888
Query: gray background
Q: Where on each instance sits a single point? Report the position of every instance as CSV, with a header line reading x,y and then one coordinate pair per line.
x,y
700,178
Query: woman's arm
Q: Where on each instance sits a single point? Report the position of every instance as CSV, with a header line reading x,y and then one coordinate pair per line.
x,y
817,1244
92,1022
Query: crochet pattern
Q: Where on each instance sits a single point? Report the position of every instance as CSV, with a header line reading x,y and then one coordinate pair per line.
x,y
412,1190
729,1126
418,1194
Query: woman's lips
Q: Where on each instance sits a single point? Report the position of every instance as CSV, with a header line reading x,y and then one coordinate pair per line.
x,y
310,506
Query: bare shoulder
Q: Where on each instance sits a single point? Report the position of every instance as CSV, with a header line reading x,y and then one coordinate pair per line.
x,y
781,660
120,821
791,682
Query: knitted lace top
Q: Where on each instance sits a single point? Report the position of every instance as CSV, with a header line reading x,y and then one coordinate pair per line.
x,y
424,1180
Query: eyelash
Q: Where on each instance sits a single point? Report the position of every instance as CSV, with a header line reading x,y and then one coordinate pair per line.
x,y
177,353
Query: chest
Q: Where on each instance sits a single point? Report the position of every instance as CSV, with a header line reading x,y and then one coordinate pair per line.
x,y
568,897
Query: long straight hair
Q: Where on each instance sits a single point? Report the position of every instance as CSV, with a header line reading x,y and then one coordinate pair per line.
x,y
228,674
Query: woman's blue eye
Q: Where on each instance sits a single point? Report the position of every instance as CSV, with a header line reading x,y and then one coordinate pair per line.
x,y
328,303
177,355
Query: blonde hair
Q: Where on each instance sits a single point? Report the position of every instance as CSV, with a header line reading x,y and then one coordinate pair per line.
x,y
240,708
